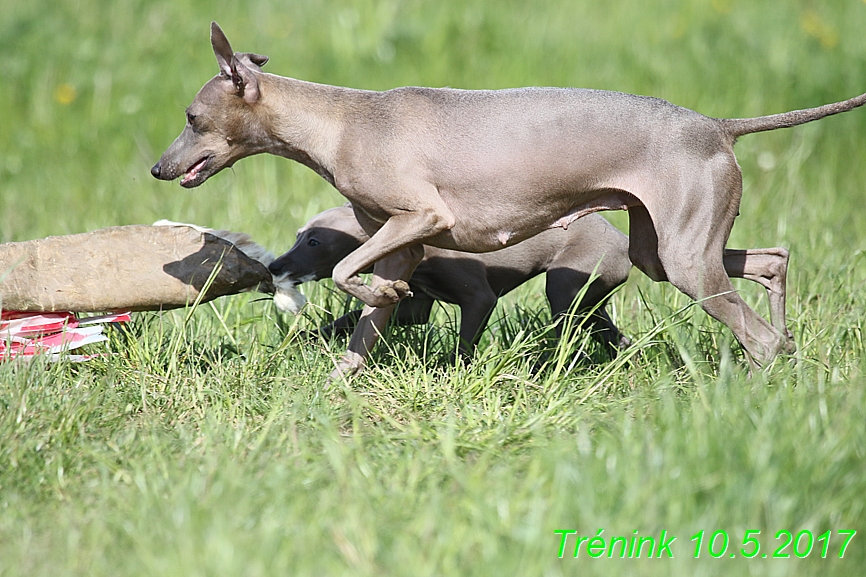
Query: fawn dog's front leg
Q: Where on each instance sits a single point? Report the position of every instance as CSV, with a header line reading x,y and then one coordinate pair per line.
x,y
429,217
386,273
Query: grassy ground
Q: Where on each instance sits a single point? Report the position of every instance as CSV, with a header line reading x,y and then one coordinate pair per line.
x,y
207,446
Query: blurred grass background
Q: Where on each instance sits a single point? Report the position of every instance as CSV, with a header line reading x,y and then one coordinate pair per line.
x,y
207,446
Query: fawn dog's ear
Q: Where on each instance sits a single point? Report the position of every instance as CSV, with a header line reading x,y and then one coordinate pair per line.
x,y
244,82
221,49
257,59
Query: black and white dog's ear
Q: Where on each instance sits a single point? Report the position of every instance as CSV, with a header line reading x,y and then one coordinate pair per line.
x,y
221,49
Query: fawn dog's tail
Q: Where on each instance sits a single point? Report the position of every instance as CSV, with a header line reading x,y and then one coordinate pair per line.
x,y
737,127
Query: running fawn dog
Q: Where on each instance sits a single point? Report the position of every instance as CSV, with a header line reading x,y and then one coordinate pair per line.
x,y
481,170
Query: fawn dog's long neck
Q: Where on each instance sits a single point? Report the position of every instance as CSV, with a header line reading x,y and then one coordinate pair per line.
x,y
306,120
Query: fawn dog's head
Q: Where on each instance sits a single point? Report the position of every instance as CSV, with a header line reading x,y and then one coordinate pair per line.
x,y
223,122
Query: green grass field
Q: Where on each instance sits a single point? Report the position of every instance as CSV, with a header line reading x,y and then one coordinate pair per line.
x,y
207,444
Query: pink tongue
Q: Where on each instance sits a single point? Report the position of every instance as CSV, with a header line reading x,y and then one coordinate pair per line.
x,y
193,172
